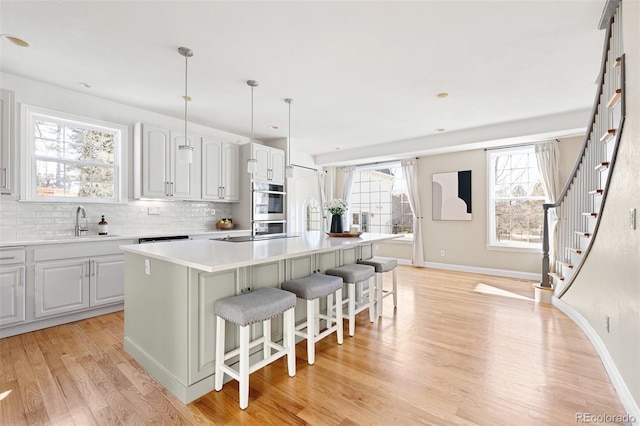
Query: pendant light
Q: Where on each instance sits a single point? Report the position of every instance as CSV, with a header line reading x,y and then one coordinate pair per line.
x,y
289,168
252,163
185,152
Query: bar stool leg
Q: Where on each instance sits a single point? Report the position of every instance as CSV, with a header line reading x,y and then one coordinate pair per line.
x,y
311,330
395,288
338,314
289,325
371,303
379,293
220,338
266,333
245,331
351,308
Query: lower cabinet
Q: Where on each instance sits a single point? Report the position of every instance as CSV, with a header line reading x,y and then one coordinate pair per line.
x,y
12,295
64,286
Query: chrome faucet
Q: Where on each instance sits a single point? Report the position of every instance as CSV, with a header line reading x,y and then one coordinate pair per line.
x,y
80,229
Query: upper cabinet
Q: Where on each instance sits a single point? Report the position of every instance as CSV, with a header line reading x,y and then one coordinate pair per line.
x,y
220,170
6,135
270,163
158,172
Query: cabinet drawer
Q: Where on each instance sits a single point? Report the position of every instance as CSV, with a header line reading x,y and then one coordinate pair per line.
x,y
78,249
12,256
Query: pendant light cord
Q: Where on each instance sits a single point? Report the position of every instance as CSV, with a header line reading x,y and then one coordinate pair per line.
x,y
186,99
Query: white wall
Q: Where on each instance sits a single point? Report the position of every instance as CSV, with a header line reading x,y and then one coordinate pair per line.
x,y
609,282
28,220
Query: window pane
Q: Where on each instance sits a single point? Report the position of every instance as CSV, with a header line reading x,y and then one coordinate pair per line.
x,y
519,221
72,158
378,201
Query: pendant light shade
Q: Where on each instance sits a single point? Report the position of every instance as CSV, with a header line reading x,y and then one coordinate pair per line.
x,y
289,168
185,152
252,163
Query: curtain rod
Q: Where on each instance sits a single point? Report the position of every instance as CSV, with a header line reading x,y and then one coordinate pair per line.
x,y
382,163
304,167
520,144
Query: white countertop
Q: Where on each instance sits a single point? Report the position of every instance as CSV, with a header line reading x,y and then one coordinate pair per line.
x,y
116,237
212,256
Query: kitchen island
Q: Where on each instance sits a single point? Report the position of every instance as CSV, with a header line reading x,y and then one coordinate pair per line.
x,y
170,289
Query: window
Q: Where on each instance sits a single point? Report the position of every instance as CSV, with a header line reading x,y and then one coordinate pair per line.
x,y
313,215
71,158
516,196
379,202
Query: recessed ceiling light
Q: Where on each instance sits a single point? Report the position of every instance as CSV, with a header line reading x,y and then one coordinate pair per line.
x,y
85,85
442,95
274,127
15,40
440,130
186,98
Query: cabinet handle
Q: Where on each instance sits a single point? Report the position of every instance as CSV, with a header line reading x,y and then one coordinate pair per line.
x,y
88,269
171,186
7,258
223,192
93,268
4,178
166,189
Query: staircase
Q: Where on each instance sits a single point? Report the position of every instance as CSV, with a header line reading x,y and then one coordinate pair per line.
x,y
579,207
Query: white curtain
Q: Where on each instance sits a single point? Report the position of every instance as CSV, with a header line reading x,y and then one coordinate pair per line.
x,y
410,173
323,198
348,174
548,156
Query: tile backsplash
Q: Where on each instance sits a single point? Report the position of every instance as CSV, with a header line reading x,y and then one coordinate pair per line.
x,y
33,220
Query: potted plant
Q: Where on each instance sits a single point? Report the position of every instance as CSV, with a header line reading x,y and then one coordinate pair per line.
x,y
336,207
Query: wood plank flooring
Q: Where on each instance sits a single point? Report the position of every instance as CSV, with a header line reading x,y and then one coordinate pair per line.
x,y
448,355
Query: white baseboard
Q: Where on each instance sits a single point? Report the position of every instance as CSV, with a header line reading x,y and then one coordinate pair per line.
x,y
633,410
486,271
39,324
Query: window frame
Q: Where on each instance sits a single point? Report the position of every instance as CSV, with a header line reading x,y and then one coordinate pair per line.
x,y
492,243
374,167
28,188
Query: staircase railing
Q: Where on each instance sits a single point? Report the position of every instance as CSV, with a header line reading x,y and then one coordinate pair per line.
x,y
579,206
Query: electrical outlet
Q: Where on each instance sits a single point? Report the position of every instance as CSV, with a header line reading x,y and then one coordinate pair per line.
x,y
442,253
607,323
147,267
632,218
213,212
153,211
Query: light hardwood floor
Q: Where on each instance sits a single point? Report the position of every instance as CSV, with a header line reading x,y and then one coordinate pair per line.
x,y
447,355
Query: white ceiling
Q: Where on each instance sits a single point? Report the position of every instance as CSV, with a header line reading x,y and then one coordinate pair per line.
x,y
362,74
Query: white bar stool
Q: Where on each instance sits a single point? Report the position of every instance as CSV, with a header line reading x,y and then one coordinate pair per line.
x,y
382,265
246,309
352,275
312,288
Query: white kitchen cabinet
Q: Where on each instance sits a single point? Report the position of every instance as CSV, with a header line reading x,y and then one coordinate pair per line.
x,y
6,136
61,286
157,169
106,284
11,295
77,276
220,170
12,286
271,163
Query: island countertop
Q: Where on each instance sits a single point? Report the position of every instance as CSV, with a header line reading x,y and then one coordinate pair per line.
x,y
216,255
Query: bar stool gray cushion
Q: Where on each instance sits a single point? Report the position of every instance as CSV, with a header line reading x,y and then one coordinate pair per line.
x,y
313,286
256,306
382,264
352,273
